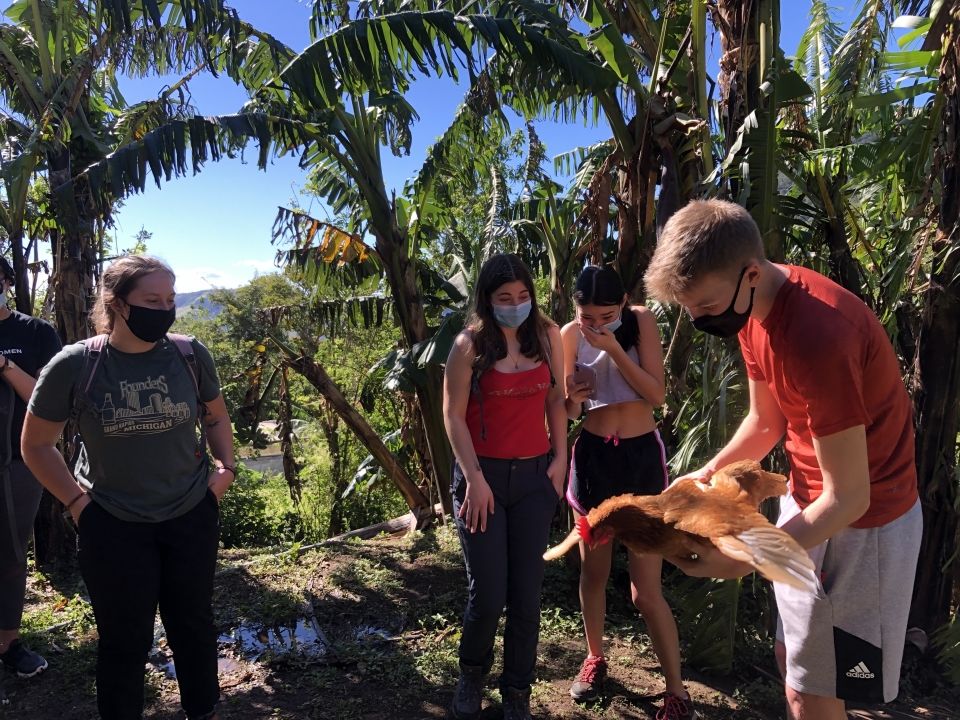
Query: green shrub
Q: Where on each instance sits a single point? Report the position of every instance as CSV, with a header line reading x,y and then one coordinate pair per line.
x,y
257,512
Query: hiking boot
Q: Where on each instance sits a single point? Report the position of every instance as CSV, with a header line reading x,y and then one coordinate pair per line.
x,y
516,704
677,708
22,661
589,682
468,696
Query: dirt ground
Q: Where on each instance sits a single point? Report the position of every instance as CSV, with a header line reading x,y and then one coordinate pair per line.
x,y
370,630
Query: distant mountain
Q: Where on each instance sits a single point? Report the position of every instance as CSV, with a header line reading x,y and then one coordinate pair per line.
x,y
197,301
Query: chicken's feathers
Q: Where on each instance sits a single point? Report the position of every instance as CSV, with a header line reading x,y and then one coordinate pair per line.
x,y
775,555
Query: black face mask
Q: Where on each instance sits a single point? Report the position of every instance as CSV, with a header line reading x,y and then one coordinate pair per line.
x,y
729,322
150,324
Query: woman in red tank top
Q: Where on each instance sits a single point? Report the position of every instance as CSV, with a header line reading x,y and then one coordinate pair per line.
x,y
506,420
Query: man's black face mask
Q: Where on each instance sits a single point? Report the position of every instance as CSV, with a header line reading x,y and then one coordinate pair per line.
x,y
729,322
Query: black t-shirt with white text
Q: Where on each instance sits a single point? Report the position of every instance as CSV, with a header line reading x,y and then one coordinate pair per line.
x,y
29,343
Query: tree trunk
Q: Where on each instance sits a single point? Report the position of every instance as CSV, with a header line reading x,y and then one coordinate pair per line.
x,y
20,287
330,425
291,469
402,279
844,268
938,365
634,250
561,290
74,252
318,377
413,435
738,78
431,409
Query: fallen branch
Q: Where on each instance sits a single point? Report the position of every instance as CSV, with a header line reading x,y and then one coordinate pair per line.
x,y
398,526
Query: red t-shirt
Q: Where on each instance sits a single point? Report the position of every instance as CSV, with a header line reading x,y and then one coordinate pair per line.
x,y
830,365
512,421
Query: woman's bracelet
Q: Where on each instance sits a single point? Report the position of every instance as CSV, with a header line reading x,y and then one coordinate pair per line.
x,y
74,501
231,468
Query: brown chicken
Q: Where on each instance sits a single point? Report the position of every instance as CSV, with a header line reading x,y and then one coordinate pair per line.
x,y
723,512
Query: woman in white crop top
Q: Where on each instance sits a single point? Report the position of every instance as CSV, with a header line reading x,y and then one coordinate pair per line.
x,y
613,367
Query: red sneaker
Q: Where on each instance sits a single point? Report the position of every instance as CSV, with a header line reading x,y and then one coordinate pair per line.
x,y
589,682
677,708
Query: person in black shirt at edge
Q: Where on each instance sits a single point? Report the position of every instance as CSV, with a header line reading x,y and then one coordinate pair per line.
x,y
26,345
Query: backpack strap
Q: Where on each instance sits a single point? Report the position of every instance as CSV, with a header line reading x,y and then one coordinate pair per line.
x,y
93,348
183,344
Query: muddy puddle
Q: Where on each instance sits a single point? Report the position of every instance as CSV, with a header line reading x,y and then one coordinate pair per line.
x,y
249,643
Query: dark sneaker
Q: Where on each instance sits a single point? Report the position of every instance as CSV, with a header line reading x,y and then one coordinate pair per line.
x,y
589,682
677,708
468,696
22,661
516,704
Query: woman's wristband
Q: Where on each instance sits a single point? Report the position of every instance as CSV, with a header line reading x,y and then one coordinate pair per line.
x,y
74,501
231,468
67,514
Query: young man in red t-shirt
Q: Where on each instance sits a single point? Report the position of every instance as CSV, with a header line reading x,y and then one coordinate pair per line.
x,y
822,375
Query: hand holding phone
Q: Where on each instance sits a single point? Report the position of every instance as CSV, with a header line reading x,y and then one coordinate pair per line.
x,y
583,374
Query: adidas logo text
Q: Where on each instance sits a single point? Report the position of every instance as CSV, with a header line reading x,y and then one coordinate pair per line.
x,y
860,671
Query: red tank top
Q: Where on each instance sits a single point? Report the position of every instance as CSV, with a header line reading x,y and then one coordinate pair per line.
x,y
512,420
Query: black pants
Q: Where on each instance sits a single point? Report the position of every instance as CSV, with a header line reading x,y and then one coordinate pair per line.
x,y
131,568
19,499
505,566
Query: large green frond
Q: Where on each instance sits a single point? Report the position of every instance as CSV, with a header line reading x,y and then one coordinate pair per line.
x,y
183,145
389,51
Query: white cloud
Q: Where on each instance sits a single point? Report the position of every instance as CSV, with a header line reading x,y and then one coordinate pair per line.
x,y
206,277
190,279
261,266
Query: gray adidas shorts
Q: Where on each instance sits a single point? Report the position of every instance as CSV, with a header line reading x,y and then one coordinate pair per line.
x,y
846,641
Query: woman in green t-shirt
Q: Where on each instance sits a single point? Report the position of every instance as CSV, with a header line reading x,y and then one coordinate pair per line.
x,y
145,498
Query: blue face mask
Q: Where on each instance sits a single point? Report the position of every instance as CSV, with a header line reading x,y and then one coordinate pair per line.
x,y
615,325
512,316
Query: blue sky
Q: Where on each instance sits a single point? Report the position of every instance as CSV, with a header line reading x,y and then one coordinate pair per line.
x,y
214,228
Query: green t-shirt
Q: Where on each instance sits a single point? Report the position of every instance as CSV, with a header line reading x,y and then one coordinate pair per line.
x,y
141,458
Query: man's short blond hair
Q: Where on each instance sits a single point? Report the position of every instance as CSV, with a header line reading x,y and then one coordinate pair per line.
x,y
703,237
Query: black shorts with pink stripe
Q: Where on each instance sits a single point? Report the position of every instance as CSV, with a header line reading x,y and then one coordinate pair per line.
x,y
606,467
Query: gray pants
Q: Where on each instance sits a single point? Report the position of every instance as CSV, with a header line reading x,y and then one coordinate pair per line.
x,y
505,566
19,499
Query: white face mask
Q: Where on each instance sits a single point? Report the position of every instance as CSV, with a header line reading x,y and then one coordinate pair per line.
x,y
615,325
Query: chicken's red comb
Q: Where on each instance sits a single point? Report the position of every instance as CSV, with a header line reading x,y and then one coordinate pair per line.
x,y
584,530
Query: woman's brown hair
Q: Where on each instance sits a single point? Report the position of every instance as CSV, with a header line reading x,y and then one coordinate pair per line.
x,y
118,281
